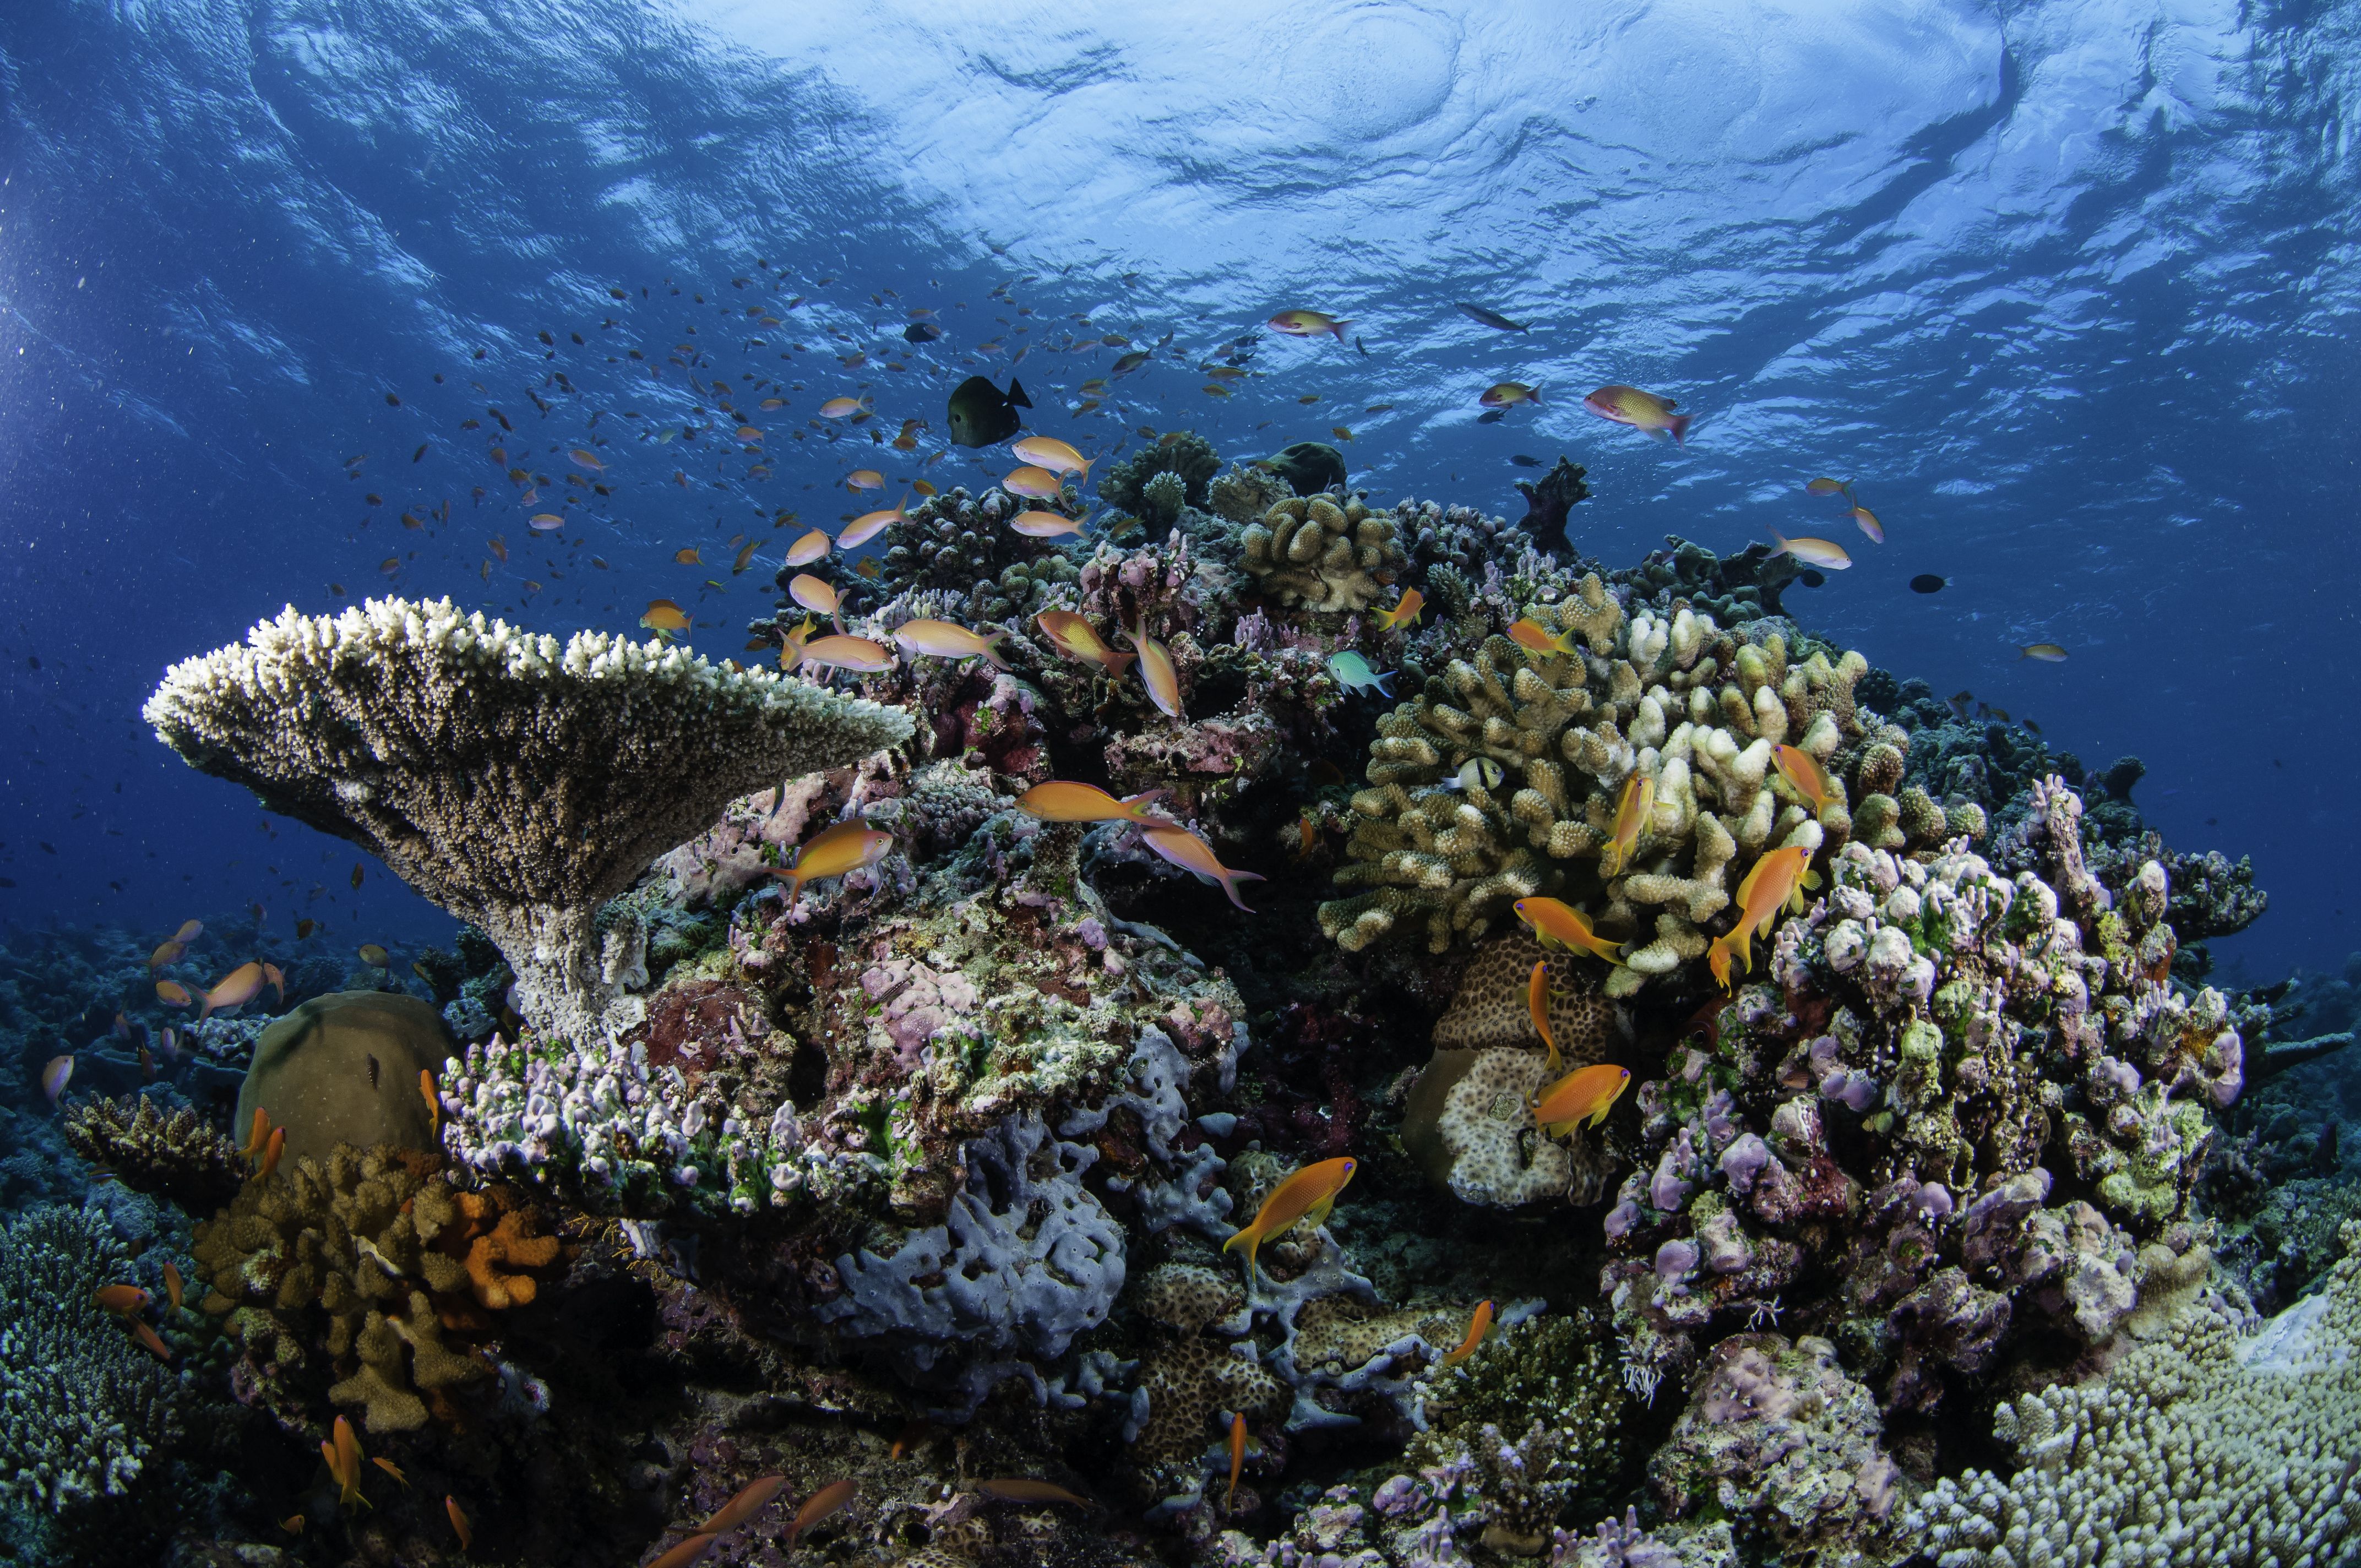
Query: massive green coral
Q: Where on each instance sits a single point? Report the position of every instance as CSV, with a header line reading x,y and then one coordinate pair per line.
x,y
1672,699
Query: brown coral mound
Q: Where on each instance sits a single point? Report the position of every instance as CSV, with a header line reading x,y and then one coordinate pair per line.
x,y
179,1157
343,1069
1489,1007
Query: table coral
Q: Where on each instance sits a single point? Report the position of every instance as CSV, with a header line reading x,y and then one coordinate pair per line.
x,y
2219,1442
84,1407
180,1157
1323,554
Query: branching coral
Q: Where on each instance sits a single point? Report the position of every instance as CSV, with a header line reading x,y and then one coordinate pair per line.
x,y
961,546
1323,554
179,1157
516,781
2215,1444
81,1407
1674,701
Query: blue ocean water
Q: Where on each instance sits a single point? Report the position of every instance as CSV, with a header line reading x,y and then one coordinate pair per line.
x,y
2068,288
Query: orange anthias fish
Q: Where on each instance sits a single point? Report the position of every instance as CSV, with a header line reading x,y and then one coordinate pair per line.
x,y
942,640
843,652
172,1286
1237,1454
870,524
1537,1003
1048,452
748,1502
120,1300
272,1151
818,1507
1157,672
54,1077
1192,853
864,479
434,1101
189,932
344,1457
150,1340
1078,639
172,994
808,549
1813,552
459,1523
686,1552
1587,1092
260,1139
166,953
1059,801
1640,410
663,615
1033,483
1556,925
815,594
1024,1489
1778,879
1476,1327
1868,524
1631,809
1800,768
1308,1195
846,847
238,988
1404,613
391,1468
278,980
1309,323
1530,634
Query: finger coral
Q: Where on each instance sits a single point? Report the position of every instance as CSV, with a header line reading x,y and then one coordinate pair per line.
x,y
179,1157
1323,554
516,781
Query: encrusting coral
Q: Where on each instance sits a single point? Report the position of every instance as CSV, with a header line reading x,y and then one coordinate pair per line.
x,y
2220,1442
516,781
1674,701
372,1258
81,1406
1321,553
180,1157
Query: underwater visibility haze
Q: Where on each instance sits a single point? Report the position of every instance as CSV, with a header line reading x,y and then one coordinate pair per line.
x,y
1367,783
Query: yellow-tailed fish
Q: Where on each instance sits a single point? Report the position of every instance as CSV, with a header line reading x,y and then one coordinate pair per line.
x,y
1826,487
172,994
278,980
1061,801
1309,323
1777,880
545,523
1035,484
745,558
238,988
1532,634
1508,394
858,654
869,525
1078,639
1586,1093
459,1524
391,1468
587,460
373,955
1557,923
1157,672
1868,524
1192,854
1640,410
663,615
808,549
1048,452
1537,1005
1813,552
818,1507
942,640
1405,611
846,847
864,479
1306,1196
791,644
347,1467
1476,1327
748,1502
2047,652
54,1077
1800,768
1632,808
815,594
1038,524
1237,1454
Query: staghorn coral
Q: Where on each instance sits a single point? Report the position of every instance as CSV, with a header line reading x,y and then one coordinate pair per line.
x,y
1323,554
179,1157
82,1407
515,781
371,1259
2219,1442
1675,700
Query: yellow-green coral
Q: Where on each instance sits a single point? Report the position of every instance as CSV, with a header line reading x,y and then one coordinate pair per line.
x,y
1323,554
1674,699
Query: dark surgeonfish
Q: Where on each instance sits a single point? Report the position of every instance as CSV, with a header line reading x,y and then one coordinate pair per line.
x,y
982,414
1493,319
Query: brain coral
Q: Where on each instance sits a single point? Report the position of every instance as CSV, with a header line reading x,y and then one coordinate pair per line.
x,y
1323,554
1672,700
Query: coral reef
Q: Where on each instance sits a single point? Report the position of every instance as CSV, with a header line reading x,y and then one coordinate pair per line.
x,y
1323,554
1124,485
516,781
344,1069
1548,500
181,1156
960,549
2222,1442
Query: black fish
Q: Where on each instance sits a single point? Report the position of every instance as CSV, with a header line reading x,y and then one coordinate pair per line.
x,y
1522,461
980,413
1927,583
1495,417
1812,580
1490,318
1359,344
922,332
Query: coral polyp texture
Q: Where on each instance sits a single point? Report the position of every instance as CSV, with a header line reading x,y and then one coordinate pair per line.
x,y
1321,553
517,781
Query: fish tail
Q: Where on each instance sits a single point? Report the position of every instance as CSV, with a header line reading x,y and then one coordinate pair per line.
x,y
1338,328
1139,804
1380,681
991,649
1679,425
1253,1238
1230,880
1781,538
1535,396
1116,663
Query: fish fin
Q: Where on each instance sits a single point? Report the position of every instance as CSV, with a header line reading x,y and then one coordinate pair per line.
x,y
1017,393
1317,1215
1535,395
991,649
1230,880
1679,426
1140,802
1379,681
1119,662
1560,1129
1601,1117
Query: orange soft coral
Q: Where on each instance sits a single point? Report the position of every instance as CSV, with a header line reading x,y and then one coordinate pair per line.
x,y
496,1261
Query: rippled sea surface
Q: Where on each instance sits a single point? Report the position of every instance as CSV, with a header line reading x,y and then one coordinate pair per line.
x,y
2068,288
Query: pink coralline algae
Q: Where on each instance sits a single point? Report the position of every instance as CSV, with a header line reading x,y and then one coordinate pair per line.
x,y
918,1003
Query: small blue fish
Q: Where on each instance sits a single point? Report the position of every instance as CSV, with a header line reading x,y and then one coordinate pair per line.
x,y
1353,672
